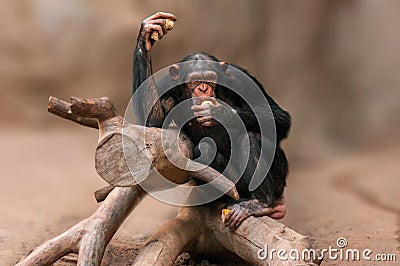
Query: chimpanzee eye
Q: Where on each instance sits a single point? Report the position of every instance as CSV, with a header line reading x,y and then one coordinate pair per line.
x,y
212,84
193,84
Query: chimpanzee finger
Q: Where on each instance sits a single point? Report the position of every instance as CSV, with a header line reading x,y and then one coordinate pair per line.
x,y
154,27
232,209
213,100
202,113
233,220
208,124
241,219
161,22
161,15
200,107
204,119
228,217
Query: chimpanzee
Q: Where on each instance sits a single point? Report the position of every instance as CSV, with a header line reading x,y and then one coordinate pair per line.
x,y
201,83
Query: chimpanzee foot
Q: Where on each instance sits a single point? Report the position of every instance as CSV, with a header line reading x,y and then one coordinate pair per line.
x,y
278,211
242,210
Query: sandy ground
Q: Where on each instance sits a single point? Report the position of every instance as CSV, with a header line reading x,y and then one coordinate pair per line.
x,y
48,179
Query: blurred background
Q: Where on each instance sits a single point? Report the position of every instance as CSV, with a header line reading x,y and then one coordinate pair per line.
x,y
334,65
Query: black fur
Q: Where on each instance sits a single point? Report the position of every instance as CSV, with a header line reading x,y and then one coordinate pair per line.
x,y
273,185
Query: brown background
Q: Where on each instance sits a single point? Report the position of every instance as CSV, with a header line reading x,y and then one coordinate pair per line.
x,y
334,65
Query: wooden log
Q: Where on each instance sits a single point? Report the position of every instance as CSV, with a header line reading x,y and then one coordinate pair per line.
x,y
62,109
102,193
105,223
127,154
256,238
99,108
89,237
164,246
201,232
198,230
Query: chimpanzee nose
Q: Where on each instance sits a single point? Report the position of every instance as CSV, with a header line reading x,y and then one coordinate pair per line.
x,y
203,90
203,87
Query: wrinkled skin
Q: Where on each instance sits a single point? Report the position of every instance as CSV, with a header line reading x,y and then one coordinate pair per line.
x,y
242,210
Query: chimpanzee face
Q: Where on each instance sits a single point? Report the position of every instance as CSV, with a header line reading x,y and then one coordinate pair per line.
x,y
199,77
201,83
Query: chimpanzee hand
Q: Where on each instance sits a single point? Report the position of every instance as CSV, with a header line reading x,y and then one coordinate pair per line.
x,y
153,23
236,216
208,109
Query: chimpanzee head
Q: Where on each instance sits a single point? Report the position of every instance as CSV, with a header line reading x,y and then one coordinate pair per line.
x,y
200,76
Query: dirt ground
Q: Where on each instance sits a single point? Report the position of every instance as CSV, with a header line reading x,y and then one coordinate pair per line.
x,y
48,179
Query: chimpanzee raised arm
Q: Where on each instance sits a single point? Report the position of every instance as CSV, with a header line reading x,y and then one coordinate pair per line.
x,y
142,69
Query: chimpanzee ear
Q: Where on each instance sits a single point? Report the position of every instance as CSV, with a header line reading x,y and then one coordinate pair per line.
x,y
174,71
224,65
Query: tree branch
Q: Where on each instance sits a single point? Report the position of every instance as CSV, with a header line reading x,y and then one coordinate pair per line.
x,y
62,109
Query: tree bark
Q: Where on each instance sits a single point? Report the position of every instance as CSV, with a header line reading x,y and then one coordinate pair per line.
x,y
200,231
89,237
128,154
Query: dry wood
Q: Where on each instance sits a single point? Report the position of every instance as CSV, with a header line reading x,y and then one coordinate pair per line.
x,y
128,154
102,193
198,230
62,109
257,233
173,238
90,237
